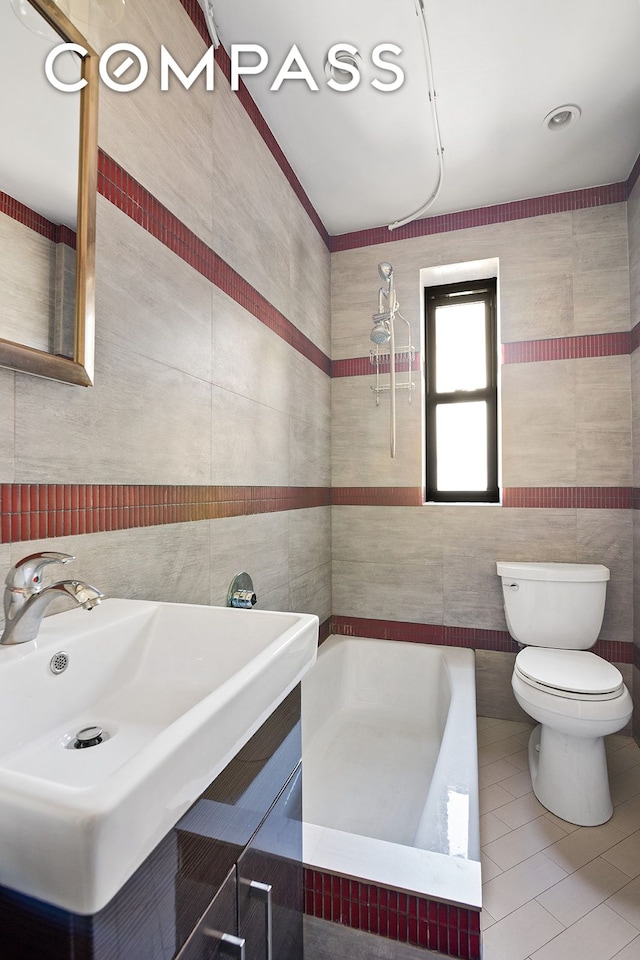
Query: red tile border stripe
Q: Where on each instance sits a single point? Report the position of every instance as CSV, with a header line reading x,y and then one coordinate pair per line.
x,y
483,216
363,366
129,196
57,233
452,930
32,511
579,498
378,496
567,348
472,638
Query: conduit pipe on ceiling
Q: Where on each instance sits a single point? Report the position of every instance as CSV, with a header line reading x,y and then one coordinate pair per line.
x,y
421,13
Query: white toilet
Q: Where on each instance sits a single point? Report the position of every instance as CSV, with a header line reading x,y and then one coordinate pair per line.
x,y
555,611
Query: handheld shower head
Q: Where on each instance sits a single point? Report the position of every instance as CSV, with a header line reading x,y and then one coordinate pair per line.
x,y
385,271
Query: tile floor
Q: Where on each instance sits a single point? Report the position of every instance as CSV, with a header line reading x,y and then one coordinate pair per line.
x,y
554,891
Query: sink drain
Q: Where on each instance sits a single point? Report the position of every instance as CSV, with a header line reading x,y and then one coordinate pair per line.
x,y
89,737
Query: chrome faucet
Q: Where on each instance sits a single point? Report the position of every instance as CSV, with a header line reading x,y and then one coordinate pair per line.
x,y
26,600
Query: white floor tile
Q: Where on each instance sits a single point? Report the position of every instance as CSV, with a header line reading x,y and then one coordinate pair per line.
x,y
523,842
583,845
495,772
625,785
626,816
582,891
598,936
626,902
486,920
568,827
520,759
515,887
498,749
502,731
489,868
520,811
492,797
630,952
624,759
626,855
519,784
491,828
519,934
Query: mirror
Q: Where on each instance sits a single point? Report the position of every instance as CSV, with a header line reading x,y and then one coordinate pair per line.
x,y
48,182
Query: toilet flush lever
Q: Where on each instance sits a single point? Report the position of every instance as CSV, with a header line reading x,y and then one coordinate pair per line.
x,y
513,586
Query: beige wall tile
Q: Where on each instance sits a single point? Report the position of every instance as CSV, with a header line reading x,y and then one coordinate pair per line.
x,y
383,591
494,696
605,536
311,592
7,423
539,424
149,302
257,544
387,534
309,539
142,422
472,594
360,438
310,454
250,441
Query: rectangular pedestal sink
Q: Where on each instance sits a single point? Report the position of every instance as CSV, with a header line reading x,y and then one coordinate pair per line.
x,y
177,689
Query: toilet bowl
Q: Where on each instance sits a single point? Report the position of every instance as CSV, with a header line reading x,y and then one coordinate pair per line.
x,y
555,611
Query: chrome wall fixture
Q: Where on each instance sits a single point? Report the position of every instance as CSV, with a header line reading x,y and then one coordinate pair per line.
x,y
241,592
383,333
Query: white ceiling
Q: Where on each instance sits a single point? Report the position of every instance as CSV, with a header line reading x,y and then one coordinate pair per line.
x,y
366,158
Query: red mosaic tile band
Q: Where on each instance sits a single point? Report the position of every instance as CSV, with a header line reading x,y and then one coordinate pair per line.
x,y
378,496
362,366
403,917
222,59
579,498
567,348
117,186
472,638
483,216
583,498
57,233
35,511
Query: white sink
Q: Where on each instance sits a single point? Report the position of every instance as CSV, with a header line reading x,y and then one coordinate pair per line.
x,y
178,688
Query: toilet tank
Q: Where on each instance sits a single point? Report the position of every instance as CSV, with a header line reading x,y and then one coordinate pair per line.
x,y
554,604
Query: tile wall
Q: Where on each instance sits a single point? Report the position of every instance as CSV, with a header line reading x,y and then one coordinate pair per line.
x,y
633,214
207,429
567,465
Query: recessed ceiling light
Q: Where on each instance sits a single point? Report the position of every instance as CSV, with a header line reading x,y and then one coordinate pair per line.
x,y
333,72
562,117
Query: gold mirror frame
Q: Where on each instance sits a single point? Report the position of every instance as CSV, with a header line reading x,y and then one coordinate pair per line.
x,y
80,369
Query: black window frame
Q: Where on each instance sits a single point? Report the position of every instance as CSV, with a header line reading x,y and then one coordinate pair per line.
x,y
450,293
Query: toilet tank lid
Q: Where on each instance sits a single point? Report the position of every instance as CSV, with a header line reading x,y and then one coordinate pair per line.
x,y
563,572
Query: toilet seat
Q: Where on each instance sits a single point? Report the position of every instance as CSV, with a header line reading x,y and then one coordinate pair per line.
x,y
575,674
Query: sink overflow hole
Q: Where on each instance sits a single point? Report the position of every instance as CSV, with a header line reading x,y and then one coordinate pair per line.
x,y
59,662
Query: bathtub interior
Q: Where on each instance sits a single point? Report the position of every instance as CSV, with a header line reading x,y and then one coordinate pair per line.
x,y
390,766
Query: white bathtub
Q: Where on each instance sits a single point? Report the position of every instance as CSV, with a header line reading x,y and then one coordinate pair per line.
x,y
390,774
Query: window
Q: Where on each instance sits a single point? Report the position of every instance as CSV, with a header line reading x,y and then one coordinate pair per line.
x,y
462,392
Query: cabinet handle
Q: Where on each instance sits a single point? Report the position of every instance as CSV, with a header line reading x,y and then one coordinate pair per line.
x,y
230,946
262,892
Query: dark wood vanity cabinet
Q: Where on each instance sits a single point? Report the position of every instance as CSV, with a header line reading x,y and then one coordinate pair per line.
x,y
225,882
